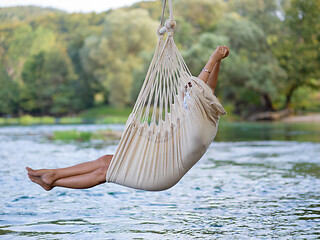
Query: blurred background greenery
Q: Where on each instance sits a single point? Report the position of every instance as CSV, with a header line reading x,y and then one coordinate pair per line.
x,y
55,64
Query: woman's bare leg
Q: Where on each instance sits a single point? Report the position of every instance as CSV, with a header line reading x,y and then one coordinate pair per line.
x,y
48,177
82,181
51,175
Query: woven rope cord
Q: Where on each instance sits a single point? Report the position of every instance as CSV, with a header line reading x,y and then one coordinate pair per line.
x,y
162,91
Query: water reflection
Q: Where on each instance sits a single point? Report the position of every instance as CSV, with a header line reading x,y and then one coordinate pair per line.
x,y
268,131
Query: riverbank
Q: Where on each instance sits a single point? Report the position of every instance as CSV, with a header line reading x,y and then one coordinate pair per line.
x,y
47,120
96,115
309,118
107,115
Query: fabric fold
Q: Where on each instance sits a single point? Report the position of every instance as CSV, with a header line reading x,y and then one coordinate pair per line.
x,y
173,122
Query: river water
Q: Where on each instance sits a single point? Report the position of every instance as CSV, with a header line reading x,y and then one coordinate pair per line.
x,y
256,181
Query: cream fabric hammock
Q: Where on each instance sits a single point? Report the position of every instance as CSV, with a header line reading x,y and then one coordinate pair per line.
x,y
173,122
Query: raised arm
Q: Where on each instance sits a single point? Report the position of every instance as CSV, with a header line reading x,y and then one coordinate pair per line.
x,y
210,72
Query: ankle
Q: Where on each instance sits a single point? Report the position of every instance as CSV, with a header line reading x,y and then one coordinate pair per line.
x,y
53,175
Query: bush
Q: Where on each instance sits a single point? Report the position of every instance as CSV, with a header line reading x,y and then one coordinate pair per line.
x,y
72,135
47,120
112,120
27,120
70,120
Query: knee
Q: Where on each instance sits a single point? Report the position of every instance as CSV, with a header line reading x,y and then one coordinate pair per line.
x,y
105,160
101,173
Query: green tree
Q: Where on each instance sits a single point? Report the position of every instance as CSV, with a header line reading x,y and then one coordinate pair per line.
x,y
203,15
19,14
259,71
85,85
25,42
154,8
197,55
298,47
48,86
265,14
9,94
112,57
250,74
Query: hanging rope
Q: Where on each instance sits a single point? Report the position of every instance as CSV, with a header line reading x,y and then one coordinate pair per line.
x,y
163,10
170,24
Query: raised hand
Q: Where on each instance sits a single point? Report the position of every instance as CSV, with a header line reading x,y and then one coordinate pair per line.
x,y
227,51
221,52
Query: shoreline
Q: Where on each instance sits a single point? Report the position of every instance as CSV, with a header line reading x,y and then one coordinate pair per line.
x,y
27,120
309,118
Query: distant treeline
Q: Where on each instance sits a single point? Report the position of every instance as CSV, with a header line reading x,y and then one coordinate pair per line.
x,y
56,63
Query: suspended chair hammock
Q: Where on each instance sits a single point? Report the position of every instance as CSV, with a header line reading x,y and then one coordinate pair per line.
x,y
173,122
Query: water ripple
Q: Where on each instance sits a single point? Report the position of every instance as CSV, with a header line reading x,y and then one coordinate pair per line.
x,y
238,190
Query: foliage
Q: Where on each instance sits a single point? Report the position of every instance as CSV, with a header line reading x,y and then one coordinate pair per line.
x,y
8,93
113,120
197,55
298,47
101,111
71,135
306,99
48,84
25,42
19,14
265,14
54,63
203,15
113,69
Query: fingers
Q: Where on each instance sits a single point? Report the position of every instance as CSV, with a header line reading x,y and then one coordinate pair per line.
x,y
221,52
226,47
225,51
228,51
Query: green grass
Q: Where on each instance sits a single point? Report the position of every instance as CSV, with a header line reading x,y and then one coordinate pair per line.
x,y
27,120
72,135
9,121
105,111
30,120
47,120
112,120
70,120
100,115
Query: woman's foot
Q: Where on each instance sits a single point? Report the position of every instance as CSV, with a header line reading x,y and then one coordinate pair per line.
x,y
39,181
46,175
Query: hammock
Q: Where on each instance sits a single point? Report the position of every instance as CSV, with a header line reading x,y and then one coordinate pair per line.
x,y
173,122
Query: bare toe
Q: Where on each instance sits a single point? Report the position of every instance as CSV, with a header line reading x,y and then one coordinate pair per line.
x,y
33,172
39,181
46,175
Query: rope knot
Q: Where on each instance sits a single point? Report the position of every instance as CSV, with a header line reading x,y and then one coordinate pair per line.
x,y
170,25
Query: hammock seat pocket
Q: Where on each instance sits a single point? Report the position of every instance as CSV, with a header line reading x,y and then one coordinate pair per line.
x,y
155,157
